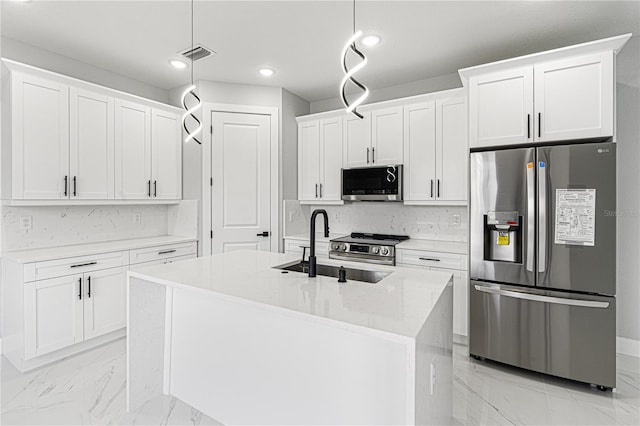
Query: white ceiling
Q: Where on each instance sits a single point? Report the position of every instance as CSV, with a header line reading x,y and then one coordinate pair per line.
x,y
302,40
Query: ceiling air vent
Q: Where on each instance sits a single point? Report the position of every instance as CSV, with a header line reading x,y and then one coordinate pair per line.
x,y
196,52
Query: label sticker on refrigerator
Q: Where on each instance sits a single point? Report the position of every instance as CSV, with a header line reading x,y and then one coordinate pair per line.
x,y
503,238
575,217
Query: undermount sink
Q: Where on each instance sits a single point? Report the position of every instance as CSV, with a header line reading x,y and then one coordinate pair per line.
x,y
332,271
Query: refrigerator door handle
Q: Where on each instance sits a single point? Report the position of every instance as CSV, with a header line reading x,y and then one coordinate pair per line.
x,y
542,216
531,193
541,298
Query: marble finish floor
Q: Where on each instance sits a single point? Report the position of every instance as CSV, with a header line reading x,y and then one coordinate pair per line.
x,y
90,389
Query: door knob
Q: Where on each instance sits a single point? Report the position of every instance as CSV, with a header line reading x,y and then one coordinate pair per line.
x,y
263,234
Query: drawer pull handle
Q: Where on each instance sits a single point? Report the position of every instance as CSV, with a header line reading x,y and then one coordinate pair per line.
x,y
84,264
430,258
167,251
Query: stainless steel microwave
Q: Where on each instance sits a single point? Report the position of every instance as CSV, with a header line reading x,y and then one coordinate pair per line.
x,y
372,184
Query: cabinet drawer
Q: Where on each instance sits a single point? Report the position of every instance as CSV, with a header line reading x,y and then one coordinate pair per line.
x,y
162,261
295,246
73,265
431,259
161,252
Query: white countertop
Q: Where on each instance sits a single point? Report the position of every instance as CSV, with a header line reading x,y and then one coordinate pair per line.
x,y
410,244
399,304
42,254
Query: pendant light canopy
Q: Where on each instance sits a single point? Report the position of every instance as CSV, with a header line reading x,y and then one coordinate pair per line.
x,y
349,73
196,103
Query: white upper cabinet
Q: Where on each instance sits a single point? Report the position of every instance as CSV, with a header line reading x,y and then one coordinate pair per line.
x,y
320,160
574,98
166,154
39,139
357,140
501,108
386,136
91,151
562,94
436,151
133,151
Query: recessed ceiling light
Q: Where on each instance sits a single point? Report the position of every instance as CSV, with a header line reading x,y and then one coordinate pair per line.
x,y
177,64
266,72
371,40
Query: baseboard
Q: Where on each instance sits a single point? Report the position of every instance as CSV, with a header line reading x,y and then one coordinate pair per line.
x,y
627,346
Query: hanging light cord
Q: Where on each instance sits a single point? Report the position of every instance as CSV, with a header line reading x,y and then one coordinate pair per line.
x,y
349,73
190,112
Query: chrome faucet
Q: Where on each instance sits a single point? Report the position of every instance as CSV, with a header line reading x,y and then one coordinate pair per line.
x,y
312,240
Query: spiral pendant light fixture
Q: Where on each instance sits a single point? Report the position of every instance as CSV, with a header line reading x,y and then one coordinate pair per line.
x,y
196,103
349,73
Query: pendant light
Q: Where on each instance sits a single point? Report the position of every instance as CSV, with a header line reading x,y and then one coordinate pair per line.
x,y
349,73
191,91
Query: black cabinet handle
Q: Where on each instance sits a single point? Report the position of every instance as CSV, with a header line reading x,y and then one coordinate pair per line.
x,y
438,188
80,288
66,184
431,188
74,186
83,264
373,156
430,258
89,285
155,188
167,251
149,188
263,234
539,124
528,126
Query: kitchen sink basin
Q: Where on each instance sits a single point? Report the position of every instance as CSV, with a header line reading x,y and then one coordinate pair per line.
x,y
332,271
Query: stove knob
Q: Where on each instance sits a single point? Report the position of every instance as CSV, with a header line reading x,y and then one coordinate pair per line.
x,y
375,250
384,251
335,246
343,247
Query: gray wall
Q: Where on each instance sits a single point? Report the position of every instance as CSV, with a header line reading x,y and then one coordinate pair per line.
x,y
428,85
628,176
32,55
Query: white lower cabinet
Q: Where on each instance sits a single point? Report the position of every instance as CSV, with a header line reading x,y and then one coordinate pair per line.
x,y
460,300
104,300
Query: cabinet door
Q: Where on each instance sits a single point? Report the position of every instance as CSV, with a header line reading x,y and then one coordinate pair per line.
x,y
574,98
452,150
501,108
40,138
166,151
460,300
104,301
91,145
308,160
386,136
331,159
133,150
53,314
357,140
420,150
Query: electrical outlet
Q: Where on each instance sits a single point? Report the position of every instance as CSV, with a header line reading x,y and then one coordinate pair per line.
x,y
456,219
336,216
137,218
26,223
292,216
433,378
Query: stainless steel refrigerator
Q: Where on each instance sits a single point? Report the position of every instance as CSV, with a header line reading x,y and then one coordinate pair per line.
x,y
543,260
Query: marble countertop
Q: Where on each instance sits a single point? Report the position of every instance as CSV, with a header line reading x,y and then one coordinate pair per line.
x,y
399,304
410,244
42,254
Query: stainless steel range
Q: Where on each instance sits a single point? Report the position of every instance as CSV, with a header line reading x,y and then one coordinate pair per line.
x,y
368,248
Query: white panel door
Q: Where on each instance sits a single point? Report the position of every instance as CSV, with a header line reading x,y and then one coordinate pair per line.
x,y
40,138
452,150
91,145
104,301
386,137
308,160
574,98
331,159
241,192
501,108
53,314
357,140
133,151
420,151
166,151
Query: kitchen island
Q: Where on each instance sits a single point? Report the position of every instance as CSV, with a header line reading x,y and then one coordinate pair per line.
x,y
247,343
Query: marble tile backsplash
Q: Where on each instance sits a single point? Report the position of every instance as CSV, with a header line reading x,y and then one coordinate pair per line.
x,y
56,226
425,222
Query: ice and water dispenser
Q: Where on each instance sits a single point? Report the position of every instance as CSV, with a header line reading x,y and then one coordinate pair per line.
x,y
503,237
